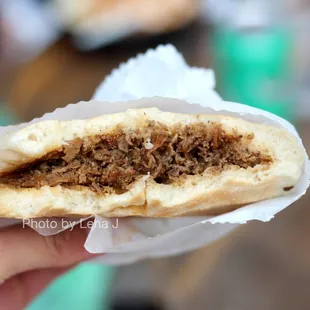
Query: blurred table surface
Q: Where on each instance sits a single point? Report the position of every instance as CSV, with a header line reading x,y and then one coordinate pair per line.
x,y
259,266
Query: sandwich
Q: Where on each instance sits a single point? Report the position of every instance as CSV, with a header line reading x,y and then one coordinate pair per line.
x,y
145,163
106,21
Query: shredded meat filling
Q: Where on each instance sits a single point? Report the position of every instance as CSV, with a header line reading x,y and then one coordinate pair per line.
x,y
116,160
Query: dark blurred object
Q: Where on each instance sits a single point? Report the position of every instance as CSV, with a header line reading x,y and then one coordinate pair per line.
x,y
94,23
136,303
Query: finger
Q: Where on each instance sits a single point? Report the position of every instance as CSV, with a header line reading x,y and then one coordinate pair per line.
x,y
23,249
18,292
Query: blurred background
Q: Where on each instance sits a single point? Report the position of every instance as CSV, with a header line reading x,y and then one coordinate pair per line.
x,y
55,52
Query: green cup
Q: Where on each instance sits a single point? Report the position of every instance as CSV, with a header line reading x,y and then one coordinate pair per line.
x,y
254,67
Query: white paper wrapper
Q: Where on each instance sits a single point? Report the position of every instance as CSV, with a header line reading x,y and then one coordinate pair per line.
x,y
163,72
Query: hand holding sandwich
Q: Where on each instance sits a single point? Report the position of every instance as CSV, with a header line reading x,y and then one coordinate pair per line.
x,y
29,261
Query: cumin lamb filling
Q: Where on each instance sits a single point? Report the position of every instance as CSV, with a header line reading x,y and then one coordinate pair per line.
x,y
119,158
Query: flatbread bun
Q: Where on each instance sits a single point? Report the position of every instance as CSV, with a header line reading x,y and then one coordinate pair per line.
x,y
210,192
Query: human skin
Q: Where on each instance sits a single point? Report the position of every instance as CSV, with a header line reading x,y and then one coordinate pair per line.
x,y
29,261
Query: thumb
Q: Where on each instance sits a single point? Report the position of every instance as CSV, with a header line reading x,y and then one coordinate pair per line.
x,y
23,249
